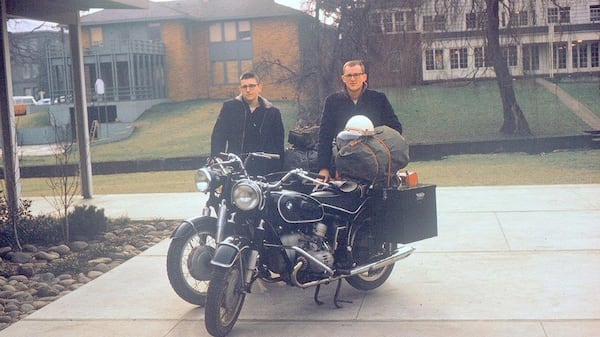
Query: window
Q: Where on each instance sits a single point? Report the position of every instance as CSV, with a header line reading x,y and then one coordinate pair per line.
x,y
481,58
388,23
510,55
399,24
431,23
458,58
565,15
244,30
434,59
594,56
375,23
476,20
96,36
559,15
579,53
154,33
522,18
471,20
392,22
230,31
531,57
559,52
595,13
229,72
553,15
215,33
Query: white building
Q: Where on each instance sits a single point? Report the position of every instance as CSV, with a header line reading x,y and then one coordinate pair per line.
x,y
539,37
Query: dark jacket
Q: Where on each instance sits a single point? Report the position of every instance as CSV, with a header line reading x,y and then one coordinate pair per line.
x,y
339,108
240,131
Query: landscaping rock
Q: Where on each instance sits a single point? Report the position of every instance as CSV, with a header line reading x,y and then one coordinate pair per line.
x,y
31,284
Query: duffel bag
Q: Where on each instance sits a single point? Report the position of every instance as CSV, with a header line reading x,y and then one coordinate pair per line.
x,y
373,158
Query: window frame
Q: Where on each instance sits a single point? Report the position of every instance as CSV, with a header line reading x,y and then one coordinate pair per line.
x,y
459,58
481,58
594,13
432,61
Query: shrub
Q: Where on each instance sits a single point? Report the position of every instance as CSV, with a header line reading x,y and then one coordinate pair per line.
x,y
42,229
7,230
87,221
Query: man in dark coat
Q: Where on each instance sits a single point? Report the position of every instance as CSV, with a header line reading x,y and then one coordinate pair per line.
x,y
355,99
250,123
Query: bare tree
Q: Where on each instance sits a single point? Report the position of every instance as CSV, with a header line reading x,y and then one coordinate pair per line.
x,y
351,19
64,183
514,119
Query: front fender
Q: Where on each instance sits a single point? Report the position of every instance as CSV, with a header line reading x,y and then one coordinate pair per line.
x,y
194,225
228,251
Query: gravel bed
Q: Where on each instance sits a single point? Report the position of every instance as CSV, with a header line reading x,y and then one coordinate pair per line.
x,y
36,276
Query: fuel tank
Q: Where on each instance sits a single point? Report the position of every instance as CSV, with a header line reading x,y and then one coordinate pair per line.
x,y
296,208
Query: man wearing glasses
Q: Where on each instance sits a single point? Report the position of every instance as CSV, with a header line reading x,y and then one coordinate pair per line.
x,y
249,123
355,99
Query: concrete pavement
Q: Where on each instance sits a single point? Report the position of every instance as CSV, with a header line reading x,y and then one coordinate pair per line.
x,y
508,261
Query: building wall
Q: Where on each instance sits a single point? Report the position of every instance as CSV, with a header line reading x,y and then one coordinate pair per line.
x,y
182,73
277,39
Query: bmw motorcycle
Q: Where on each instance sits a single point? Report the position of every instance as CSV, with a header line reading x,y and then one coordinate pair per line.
x,y
194,241
305,239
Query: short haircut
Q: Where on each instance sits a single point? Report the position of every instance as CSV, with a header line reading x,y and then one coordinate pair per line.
x,y
353,63
249,75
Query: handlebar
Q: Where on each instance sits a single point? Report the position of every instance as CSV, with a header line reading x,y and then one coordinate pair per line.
x,y
231,158
313,177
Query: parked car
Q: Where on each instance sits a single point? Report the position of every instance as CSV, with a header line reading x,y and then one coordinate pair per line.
x,y
44,101
21,103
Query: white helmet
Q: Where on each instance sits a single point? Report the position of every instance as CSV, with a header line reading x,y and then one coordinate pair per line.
x,y
361,124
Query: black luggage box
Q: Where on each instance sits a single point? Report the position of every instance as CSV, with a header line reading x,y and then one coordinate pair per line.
x,y
405,214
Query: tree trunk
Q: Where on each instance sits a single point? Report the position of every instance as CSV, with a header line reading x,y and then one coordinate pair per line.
x,y
514,119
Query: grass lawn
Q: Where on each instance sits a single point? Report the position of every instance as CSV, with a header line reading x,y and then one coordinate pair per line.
x,y
473,111
431,113
587,93
569,167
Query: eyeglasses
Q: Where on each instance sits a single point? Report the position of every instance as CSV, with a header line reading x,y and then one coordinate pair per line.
x,y
349,76
248,86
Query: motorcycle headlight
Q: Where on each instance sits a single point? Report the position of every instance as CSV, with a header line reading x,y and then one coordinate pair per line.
x,y
246,195
204,179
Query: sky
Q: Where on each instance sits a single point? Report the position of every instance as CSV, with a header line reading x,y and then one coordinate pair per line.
x,y
28,25
290,3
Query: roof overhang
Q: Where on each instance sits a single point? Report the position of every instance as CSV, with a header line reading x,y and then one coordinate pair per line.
x,y
64,11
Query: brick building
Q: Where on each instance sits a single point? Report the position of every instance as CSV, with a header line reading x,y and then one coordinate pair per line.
x,y
206,45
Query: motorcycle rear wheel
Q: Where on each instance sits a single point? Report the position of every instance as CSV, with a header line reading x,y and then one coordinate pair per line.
x,y
366,249
184,254
224,301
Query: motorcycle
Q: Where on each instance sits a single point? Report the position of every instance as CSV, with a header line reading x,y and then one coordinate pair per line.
x,y
331,234
194,241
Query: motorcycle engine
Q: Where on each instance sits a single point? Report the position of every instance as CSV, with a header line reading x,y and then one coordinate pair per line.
x,y
312,241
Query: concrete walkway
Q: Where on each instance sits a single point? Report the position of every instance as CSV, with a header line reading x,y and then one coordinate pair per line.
x,y
578,108
508,261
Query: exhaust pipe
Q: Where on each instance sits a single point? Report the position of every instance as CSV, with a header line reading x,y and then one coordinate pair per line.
x,y
397,255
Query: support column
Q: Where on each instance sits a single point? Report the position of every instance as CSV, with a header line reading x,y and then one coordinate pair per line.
x,y
7,122
80,107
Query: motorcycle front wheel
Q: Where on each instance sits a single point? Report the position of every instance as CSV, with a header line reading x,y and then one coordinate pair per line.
x,y
188,264
224,301
366,249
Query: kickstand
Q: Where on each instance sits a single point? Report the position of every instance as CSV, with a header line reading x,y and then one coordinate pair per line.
x,y
337,301
316,297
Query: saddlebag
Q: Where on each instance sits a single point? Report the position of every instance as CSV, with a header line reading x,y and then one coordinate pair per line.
x,y
405,214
